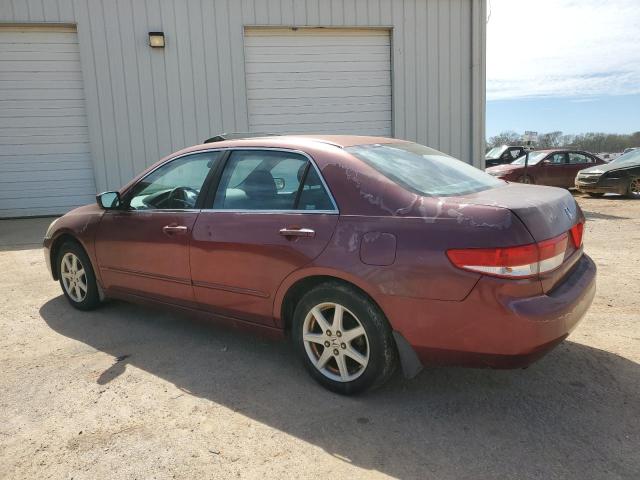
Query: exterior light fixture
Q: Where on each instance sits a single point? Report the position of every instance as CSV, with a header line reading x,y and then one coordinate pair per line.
x,y
156,39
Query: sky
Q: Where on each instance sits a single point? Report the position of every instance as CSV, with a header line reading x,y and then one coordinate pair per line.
x,y
569,65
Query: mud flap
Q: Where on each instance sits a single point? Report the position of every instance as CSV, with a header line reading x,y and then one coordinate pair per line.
x,y
411,365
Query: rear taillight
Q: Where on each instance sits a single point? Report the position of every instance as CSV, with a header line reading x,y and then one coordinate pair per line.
x,y
576,234
514,262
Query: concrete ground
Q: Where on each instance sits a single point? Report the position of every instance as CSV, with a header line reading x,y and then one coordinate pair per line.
x,y
132,392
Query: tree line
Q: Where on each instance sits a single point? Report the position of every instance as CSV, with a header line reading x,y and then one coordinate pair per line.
x,y
591,142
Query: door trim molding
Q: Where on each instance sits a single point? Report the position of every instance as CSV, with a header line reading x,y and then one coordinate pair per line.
x,y
229,288
154,276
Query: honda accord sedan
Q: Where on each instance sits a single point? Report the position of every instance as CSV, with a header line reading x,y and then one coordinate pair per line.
x,y
556,168
368,252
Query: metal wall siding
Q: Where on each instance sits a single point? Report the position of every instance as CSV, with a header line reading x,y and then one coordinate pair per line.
x,y
144,103
319,80
45,155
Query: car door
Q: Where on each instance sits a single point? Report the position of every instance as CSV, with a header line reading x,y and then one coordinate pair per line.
x,y
552,170
143,248
271,215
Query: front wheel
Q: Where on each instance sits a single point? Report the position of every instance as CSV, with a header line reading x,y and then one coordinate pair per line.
x,y
633,191
343,339
76,276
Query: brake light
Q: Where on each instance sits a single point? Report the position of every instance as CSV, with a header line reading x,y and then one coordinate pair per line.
x,y
576,234
513,262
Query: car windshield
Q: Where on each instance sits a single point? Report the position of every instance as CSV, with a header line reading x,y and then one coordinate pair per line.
x,y
534,157
423,170
630,157
495,152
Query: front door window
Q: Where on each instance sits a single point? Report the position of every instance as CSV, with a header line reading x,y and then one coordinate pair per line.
x,y
175,185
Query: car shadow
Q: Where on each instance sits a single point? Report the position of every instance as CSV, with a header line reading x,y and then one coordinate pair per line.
x,y
602,216
574,414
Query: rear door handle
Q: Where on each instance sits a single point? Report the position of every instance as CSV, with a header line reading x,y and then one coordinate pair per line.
x,y
297,232
174,229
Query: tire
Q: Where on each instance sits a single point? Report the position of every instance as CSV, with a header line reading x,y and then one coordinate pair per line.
x,y
525,179
356,354
595,195
633,190
76,276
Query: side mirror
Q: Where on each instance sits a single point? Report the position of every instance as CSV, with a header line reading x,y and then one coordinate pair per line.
x,y
108,200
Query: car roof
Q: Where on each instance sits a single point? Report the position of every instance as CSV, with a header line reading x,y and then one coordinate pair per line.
x,y
295,141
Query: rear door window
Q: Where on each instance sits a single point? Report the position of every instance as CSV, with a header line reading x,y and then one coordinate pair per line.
x,y
423,170
557,158
579,158
313,195
270,180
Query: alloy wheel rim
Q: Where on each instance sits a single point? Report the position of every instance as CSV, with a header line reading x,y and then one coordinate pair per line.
x,y
635,187
336,342
74,277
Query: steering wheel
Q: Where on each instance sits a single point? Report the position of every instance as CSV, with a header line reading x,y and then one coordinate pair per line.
x,y
182,197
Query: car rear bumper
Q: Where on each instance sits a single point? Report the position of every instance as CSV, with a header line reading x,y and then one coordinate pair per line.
x,y
495,330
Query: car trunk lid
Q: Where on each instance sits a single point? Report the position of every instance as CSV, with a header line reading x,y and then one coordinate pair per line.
x,y
546,212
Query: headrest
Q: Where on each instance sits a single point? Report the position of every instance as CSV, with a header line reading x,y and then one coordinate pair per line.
x,y
260,184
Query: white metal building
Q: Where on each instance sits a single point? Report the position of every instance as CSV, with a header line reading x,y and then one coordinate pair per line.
x,y
86,102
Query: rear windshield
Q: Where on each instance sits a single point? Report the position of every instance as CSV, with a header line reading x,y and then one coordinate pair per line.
x,y
423,170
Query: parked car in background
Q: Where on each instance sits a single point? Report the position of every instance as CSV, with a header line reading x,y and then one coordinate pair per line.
x,y
367,251
556,168
621,176
504,154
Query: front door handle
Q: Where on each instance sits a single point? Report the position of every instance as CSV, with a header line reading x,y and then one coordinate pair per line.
x,y
175,229
297,232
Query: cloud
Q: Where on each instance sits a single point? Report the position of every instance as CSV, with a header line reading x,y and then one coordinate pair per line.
x,y
563,48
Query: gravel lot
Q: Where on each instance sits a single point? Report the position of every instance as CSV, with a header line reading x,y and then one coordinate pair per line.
x,y
132,392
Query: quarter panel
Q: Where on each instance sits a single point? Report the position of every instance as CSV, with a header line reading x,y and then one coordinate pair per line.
x,y
421,268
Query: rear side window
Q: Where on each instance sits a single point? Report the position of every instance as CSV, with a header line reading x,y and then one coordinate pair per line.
x,y
423,170
313,195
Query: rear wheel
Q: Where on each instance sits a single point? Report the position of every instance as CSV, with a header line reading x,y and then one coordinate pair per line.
x,y
344,340
595,195
633,191
76,276
525,179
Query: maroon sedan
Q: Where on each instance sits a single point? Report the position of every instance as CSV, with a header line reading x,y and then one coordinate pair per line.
x,y
556,168
367,251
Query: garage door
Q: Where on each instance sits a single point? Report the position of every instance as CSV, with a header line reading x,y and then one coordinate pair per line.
x,y
45,164
318,80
